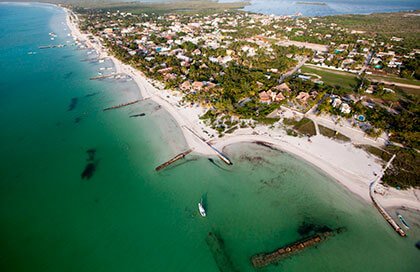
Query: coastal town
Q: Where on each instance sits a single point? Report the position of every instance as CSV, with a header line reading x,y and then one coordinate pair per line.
x,y
308,75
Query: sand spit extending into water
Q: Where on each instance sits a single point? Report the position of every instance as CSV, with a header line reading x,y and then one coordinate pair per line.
x,y
352,167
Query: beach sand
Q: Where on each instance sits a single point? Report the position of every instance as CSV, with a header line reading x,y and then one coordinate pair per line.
x,y
352,167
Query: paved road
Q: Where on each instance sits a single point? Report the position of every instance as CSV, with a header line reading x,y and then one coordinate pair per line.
x,y
294,70
411,86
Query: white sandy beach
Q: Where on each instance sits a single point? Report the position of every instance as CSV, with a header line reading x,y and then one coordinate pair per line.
x,y
352,167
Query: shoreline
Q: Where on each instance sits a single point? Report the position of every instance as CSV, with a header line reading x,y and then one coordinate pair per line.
x,y
349,166
355,177
148,91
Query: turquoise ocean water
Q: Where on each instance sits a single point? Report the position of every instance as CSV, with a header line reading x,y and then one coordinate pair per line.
x,y
127,217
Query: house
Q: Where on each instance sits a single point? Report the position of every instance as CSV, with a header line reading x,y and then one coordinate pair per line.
x,y
249,50
396,39
185,86
279,97
370,89
345,108
303,77
197,85
272,94
282,88
318,59
226,59
336,102
196,52
303,97
164,70
170,76
209,85
108,30
213,59
264,97
347,62
229,52
314,94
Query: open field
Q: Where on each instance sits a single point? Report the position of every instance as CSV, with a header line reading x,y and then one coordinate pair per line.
x,y
348,80
342,79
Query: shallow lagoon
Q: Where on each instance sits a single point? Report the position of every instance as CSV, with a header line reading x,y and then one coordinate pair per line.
x,y
328,7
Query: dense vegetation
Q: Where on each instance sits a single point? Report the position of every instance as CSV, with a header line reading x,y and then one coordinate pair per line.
x,y
202,6
405,169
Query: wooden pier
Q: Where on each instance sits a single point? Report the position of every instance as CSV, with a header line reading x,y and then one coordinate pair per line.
x,y
122,105
388,218
174,159
105,76
381,210
90,60
222,156
221,256
51,46
126,104
264,259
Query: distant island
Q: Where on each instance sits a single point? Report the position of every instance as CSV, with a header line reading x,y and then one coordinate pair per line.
x,y
312,3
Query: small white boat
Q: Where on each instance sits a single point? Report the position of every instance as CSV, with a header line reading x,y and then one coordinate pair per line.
x,y
201,209
403,221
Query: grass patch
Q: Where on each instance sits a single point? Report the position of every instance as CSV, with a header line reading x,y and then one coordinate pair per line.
x,y
327,132
380,153
330,133
342,137
291,132
344,80
304,126
231,130
412,91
